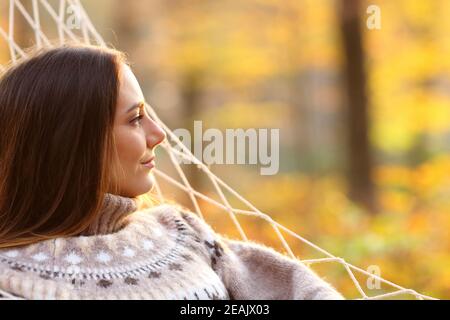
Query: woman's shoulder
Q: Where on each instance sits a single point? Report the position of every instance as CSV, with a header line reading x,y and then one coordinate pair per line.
x,y
179,219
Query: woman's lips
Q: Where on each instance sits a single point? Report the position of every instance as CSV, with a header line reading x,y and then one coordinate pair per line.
x,y
149,164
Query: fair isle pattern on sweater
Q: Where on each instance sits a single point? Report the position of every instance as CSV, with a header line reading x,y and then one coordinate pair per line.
x,y
149,254
164,252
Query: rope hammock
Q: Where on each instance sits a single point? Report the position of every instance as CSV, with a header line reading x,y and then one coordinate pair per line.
x,y
58,12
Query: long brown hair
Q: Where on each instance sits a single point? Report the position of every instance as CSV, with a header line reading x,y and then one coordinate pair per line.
x,y
57,111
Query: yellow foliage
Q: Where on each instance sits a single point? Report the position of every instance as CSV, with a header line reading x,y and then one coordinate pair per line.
x,y
408,239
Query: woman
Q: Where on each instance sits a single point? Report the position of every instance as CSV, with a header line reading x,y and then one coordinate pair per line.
x,y
76,152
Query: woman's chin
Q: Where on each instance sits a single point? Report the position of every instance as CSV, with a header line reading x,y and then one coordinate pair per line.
x,y
137,188
146,185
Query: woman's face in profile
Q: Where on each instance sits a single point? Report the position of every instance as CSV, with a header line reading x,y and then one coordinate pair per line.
x,y
136,136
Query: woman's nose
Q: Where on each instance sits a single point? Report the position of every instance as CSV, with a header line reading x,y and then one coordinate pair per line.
x,y
155,134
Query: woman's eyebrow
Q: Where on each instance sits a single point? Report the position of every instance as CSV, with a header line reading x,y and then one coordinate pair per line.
x,y
136,105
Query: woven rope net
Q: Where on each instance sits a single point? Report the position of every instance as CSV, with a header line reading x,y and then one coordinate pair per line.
x,y
67,20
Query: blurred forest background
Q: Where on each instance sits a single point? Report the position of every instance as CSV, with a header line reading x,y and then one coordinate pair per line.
x,y
364,118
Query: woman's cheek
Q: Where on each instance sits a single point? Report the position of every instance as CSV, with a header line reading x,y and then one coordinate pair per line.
x,y
136,150
131,147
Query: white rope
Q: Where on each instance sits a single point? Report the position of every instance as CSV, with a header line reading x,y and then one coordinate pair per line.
x,y
88,34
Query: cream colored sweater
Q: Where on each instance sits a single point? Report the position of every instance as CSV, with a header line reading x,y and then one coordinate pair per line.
x,y
158,253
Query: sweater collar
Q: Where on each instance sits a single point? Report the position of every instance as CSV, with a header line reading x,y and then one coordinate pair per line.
x,y
113,215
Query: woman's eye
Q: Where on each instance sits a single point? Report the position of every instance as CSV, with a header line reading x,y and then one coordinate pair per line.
x,y
137,119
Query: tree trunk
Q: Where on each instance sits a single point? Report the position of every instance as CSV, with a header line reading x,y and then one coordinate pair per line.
x,y
361,188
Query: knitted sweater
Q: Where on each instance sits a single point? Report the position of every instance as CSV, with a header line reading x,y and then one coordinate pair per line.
x,y
159,253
